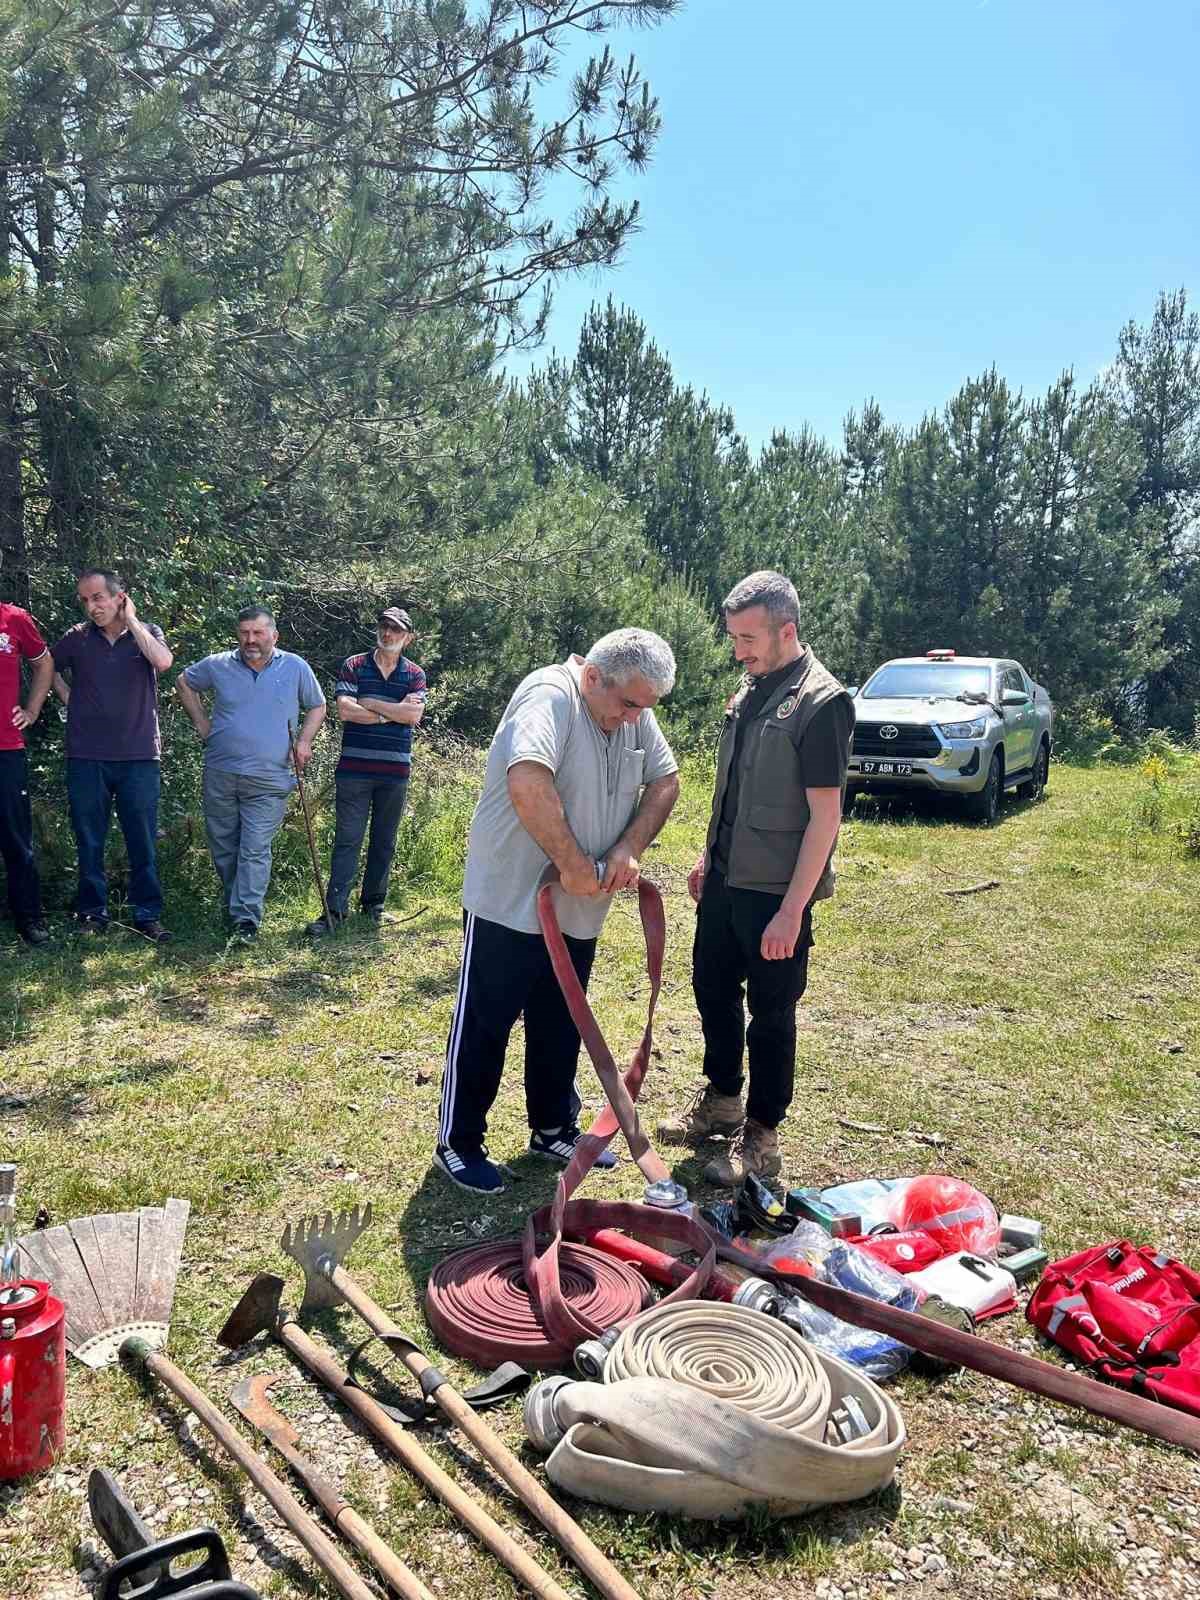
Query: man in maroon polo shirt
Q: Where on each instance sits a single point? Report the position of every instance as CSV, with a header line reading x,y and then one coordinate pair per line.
x,y
20,640
113,746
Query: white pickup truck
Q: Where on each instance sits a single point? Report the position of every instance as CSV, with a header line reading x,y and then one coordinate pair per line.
x,y
973,726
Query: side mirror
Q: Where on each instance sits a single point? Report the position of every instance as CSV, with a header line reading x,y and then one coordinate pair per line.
x,y
1014,697
852,691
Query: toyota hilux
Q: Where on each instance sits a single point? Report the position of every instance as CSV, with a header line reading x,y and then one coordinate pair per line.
x,y
968,726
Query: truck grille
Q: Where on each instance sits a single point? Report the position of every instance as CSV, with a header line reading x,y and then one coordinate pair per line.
x,y
912,740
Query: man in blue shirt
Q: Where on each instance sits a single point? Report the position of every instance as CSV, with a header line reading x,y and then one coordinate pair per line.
x,y
258,694
380,698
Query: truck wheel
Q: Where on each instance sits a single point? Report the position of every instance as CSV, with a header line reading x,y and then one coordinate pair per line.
x,y
984,807
1035,787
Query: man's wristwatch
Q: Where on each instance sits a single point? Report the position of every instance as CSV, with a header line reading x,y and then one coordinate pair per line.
x,y
380,716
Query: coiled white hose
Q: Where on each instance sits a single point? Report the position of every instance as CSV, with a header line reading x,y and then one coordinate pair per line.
x,y
755,1362
707,1410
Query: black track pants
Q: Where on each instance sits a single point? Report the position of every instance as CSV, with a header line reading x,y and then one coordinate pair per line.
x,y
504,974
16,839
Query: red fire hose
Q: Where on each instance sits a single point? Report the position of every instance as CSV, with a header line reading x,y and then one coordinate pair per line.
x,y
479,1306
657,1265
534,1302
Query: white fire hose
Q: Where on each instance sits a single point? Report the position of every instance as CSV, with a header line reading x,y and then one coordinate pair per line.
x,y
707,1410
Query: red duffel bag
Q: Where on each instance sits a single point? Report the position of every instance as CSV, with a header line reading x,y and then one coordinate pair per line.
x,y
1130,1313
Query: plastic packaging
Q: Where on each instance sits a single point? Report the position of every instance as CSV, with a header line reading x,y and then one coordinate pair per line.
x,y
810,1250
867,1198
804,1249
873,1353
853,1269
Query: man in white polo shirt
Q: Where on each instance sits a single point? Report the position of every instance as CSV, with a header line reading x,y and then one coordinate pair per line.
x,y
578,773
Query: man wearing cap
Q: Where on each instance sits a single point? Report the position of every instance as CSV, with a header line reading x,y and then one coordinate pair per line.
x,y
20,640
380,698
258,693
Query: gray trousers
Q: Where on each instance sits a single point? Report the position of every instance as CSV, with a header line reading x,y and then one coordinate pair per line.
x,y
242,817
357,800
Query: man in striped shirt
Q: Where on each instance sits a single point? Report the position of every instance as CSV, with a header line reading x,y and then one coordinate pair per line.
x,y
380,699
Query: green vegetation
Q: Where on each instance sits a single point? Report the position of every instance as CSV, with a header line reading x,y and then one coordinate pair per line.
x,y
1047,1031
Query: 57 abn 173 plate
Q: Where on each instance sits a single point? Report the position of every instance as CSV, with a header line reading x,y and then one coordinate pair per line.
x,y
886,769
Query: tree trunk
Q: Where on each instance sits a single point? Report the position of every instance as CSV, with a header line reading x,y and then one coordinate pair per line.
x,y
14,565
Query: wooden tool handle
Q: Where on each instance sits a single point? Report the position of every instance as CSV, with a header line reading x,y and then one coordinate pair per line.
x,y
586,1555
335,1567
472,1515
381,1556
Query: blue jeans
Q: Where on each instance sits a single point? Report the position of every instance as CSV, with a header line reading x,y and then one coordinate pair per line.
x,y
92,788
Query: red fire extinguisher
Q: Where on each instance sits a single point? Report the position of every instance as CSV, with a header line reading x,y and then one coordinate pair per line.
x,y
33,1377
33,1356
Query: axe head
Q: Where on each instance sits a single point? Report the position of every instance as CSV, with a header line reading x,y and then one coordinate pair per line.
x,y
256,1312
319,1244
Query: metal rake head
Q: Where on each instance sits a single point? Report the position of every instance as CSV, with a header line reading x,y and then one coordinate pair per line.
x,y
319,1244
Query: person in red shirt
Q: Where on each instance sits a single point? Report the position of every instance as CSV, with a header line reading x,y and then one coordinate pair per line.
x,y
20,641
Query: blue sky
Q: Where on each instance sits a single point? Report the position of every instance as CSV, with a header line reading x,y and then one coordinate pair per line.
x,y
885,197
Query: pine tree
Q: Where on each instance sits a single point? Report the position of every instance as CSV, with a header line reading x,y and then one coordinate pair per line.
x,y
621,390
1156,383
260,256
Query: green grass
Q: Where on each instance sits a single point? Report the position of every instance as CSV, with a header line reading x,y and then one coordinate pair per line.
x,y
1047,1030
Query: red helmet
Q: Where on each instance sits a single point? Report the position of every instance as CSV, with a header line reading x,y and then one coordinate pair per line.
x,y
952,1212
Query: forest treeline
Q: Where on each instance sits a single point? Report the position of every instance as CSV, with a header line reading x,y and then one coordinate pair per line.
x,y
261,262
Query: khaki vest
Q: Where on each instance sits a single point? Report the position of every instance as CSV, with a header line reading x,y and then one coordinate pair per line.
x,y
772,811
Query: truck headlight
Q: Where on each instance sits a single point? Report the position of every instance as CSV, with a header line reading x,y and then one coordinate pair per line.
x,y
964,730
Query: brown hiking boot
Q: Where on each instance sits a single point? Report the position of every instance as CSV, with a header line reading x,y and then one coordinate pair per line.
x,y
756,1151
710,1115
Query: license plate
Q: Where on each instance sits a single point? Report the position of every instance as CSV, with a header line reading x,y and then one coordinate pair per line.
x,y
886,769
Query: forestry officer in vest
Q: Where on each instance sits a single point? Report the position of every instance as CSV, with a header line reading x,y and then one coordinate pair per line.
x,y
777,806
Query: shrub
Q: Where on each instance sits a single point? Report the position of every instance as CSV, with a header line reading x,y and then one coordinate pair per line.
x,y
1150,806
432,845
1187,830
1085,735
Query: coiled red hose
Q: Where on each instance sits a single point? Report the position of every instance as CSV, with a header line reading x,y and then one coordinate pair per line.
x,y
479,1305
